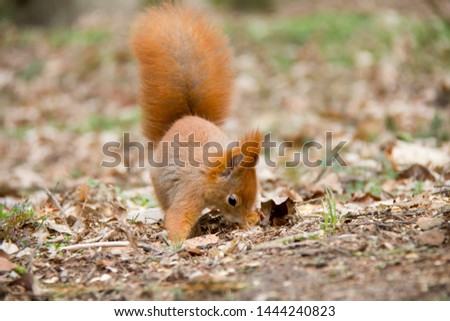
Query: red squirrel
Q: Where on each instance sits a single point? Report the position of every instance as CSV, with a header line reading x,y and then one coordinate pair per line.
x,y
186,82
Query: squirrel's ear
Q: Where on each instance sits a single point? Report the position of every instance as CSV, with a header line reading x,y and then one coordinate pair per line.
x,y
244,156
250,146
233,160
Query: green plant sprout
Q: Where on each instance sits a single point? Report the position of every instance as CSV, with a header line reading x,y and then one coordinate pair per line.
x,y
329,213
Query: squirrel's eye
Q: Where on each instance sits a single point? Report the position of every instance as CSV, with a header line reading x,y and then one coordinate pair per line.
x,y
232,200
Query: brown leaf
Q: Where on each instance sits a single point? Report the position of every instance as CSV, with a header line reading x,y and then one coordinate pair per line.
x,y
59,227
295,196
232,246
29,283
277,210
427,223
418,172
83,193
366,198
6,265
194,251
446,174
432,238
3,254
201,241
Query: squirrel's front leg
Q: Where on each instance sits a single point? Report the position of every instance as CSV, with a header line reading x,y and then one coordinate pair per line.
x,y
180,219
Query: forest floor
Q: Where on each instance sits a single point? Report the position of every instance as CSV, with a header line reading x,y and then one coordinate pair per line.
x,y
377,78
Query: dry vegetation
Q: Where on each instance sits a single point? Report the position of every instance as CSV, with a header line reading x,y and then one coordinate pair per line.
x,y
376,229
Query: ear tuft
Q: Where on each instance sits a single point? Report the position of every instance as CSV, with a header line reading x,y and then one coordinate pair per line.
x,y
252,136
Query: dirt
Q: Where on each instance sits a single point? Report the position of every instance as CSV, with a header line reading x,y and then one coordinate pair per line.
x,y
374,253
377,229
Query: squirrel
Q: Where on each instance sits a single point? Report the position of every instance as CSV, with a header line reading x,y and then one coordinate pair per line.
x,y
186,83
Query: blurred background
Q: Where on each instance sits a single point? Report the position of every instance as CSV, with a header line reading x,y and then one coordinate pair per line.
x,y
375,73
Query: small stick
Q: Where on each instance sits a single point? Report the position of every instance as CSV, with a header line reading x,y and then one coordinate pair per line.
x,y
285,241
109,244
101,237
312,200
55,201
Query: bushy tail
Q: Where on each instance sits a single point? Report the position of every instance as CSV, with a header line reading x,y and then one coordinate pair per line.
x,y
184,65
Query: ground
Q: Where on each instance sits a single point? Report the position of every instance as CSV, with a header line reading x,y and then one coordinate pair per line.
x,y
377,228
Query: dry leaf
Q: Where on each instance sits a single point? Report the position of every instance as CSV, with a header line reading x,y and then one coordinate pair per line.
x,y
52,280
432,238
83,193
102,278
417,172
330,180
9,248
6,265
194,251
59,227
403,153
277,210
231,246
366,198
427,223
148,215
201,241
29,283
3,254
28,251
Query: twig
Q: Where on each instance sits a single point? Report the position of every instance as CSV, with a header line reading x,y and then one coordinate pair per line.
x,y
55,201
288,240
101,237
369,213
144,246
400,218
443,189
442,186
312,200
181,249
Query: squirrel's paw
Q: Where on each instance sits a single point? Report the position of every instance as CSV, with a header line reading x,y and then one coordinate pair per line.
x,y
252,219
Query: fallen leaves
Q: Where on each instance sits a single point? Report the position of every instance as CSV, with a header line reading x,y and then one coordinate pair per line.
x,y
277,211
427,223
88,238
201,241
418,172
9,248
434,237
61,228
146,215
6,265
104,249
403,153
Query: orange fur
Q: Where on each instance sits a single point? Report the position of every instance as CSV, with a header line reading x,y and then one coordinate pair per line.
x,y
186,85
185,68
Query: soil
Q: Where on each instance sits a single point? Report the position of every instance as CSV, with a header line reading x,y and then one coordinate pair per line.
x,y
378,229
376,253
